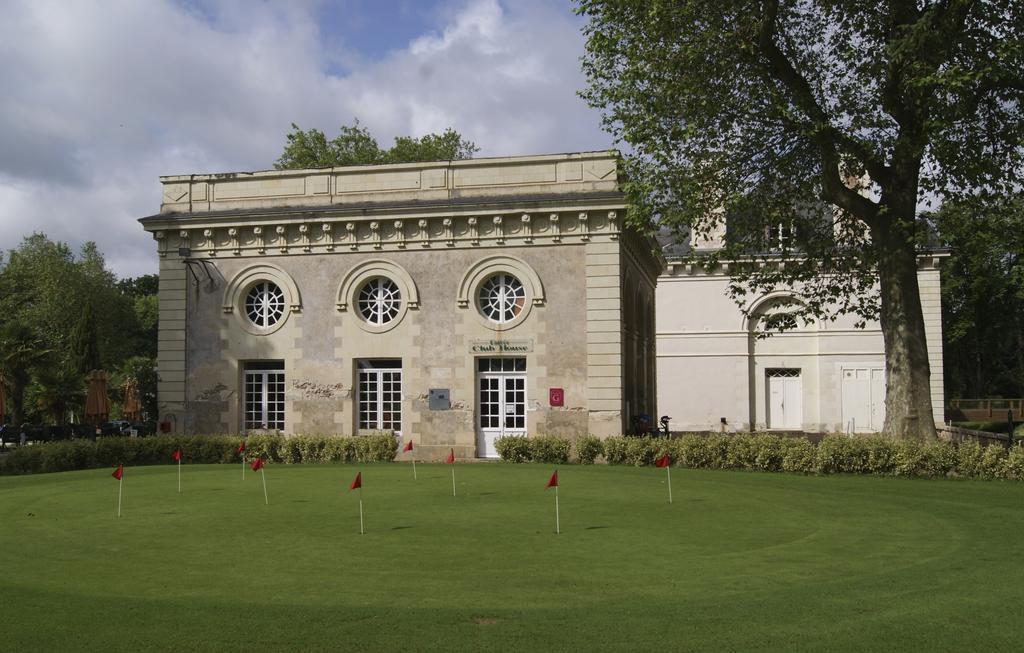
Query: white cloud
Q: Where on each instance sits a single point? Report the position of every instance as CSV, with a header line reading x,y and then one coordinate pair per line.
x,y
103,97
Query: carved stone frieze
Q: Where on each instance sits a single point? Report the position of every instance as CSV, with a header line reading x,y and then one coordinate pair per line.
x,y
519,228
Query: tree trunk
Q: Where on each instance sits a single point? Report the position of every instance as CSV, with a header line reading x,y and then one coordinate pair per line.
x,y
908,404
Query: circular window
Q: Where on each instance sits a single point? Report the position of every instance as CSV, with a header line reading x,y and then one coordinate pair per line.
x,y
379,301
502,298
264,304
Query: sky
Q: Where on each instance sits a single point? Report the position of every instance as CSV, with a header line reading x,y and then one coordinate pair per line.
x,y
102,97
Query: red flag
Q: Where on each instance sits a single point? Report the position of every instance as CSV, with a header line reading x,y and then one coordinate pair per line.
x,y
450,460
553,481
357,482
257,465
662,462
177,455
407,447
241,447
119,472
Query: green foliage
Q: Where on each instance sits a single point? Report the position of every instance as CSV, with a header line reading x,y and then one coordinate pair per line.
x,y
588,448
355,146
1013,466
640,451
375,448
834,454
79,317
517,449
21,353
514,449
984,276
797,454
112,451
615,450
84,352
58,389
550,450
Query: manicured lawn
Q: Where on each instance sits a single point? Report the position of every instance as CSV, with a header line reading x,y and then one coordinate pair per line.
x,y
740,561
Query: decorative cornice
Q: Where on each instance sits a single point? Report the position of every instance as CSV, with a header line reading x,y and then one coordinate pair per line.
x,y
452,231
695,267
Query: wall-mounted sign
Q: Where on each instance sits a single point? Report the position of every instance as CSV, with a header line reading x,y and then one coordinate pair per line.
x,y
501,346
439,399
556,396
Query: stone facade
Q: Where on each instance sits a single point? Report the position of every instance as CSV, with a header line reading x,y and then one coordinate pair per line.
x,y
436,233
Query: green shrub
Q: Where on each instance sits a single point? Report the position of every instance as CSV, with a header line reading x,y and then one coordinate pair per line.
x,y
550,449
267,447
615,450
798,455
639,451
692,451
339,450
85,454
767,453
1013,466
588,448
968,459
375,448
992,461
938,458
23,460
880,456
829,455
513,449
740,452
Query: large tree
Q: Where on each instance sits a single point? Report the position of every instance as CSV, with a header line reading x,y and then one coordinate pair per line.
x,y
354,145
759,111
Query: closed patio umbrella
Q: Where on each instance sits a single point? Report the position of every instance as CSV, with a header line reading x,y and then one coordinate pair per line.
x,y
130,406
97,404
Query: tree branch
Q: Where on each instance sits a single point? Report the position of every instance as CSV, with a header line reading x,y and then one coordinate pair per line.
x,y
824,133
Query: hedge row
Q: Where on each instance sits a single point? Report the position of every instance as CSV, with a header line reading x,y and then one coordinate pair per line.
x,y
69,455
770,453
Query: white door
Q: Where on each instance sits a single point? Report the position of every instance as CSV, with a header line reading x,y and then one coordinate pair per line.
x,y
863,399
501,402
785,399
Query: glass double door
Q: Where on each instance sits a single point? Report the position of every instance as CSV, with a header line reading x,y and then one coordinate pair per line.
x,y
501,401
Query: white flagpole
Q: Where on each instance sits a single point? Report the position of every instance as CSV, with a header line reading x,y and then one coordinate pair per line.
x,y
414,469
120,484
453,479
361,532
669,471
179,474
558,526
263,472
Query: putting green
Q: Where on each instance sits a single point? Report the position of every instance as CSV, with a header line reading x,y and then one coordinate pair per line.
x,y
739,561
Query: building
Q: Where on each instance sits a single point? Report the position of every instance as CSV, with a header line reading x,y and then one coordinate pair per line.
x,y
715,375
457,302
452,301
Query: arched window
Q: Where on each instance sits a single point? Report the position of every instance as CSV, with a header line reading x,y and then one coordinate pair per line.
x,y
501,298
264,304
379,301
